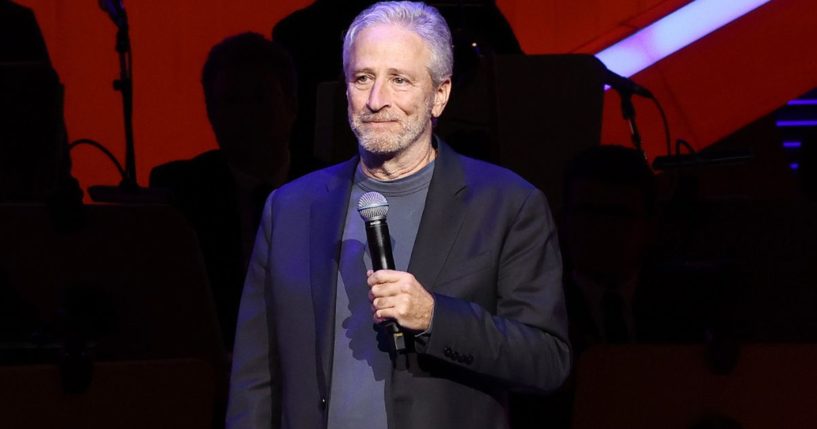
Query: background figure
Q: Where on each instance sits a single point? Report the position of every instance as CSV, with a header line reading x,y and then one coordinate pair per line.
x,y
607,227
20,36
478,29
314,35
618,288
250,90
34,162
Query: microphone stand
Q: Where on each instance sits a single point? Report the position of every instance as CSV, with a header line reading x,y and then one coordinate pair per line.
x,y
128,190
125,87
628,111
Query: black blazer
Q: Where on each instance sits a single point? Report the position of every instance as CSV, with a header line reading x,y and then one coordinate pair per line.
x,y
204,190
487,250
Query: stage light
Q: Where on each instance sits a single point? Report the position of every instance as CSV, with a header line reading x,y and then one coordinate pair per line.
x,y
672,33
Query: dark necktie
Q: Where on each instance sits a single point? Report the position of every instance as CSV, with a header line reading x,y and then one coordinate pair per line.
x,y
615,325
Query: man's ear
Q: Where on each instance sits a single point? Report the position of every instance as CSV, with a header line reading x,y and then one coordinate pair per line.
x,y
441,94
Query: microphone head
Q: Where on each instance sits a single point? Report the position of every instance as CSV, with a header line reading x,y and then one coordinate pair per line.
x,y
115,10
625,85
372,206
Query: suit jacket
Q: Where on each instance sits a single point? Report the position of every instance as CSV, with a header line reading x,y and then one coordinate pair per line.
x,y
669,306
487,250
205,191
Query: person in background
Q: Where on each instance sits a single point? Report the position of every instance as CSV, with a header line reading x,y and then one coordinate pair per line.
x,y
250,89
619,287
34,161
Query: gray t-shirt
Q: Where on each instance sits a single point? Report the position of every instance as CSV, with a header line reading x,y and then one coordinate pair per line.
x,y
360,364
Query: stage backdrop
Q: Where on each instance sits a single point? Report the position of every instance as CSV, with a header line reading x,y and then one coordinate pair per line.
x,y
171,39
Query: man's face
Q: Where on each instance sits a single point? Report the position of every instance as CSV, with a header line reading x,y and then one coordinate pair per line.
x,y
389,90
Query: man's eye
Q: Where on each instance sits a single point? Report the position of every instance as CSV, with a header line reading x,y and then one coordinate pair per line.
x,y
400,80
362,79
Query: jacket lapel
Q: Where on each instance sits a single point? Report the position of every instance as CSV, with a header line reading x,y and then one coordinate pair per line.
x,y
326,219
442,218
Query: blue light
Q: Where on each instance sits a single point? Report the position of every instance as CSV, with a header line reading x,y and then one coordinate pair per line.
x,y
803,102
672,33
794,166
791,145
809,123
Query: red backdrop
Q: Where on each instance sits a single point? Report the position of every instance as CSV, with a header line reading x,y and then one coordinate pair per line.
x,y
705,88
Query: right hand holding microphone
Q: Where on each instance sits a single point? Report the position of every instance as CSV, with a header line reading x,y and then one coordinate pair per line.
x,y
397,295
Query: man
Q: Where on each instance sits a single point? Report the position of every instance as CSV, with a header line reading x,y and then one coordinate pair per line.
x,y
250,91
609,206
477,289
620,286
21,38
34,161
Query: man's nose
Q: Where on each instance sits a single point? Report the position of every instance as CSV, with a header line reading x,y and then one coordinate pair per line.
x,y
379,97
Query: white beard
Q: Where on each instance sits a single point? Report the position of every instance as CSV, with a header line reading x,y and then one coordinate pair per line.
x,y
384,142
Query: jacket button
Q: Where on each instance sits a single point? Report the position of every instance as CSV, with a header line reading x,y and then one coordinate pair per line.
x,y
322,405
447,351
469,359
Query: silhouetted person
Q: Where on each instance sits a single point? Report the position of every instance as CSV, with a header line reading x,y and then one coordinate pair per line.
x,y
314,35
478,29
609,207
619,289
34,163
250,90
606,228
20,37
616,292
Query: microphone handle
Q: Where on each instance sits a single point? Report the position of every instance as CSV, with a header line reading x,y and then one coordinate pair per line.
x,y
377,234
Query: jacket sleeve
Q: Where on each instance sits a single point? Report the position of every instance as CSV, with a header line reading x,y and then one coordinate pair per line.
x,y
523,343
254,399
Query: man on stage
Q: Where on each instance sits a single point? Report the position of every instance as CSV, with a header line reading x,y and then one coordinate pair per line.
x,y
477,287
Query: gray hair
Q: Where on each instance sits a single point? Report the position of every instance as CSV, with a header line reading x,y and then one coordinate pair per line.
x,y
418,17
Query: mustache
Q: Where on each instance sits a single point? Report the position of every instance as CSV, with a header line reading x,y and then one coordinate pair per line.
x,y
377,117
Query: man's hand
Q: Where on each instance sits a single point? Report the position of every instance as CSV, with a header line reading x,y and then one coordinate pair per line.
x,y
397,295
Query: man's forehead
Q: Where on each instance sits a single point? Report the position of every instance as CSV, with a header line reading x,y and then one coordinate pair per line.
x,y
382,38
391,48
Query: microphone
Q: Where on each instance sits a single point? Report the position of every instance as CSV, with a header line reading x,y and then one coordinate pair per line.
x,y
116,10
373,208
625,85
